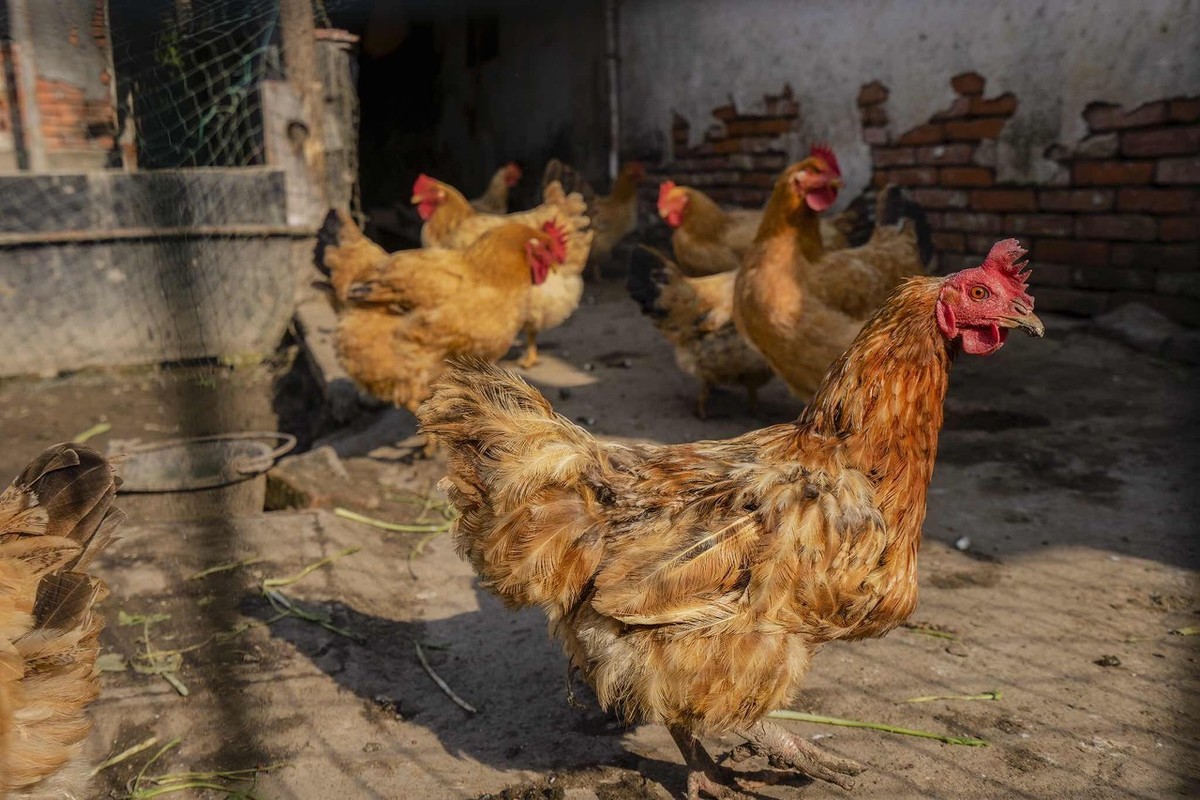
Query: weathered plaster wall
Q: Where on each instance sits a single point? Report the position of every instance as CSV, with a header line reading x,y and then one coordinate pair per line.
x,y
1057,56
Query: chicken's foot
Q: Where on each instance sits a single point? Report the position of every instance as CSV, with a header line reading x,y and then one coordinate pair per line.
x,y
705,776
531,354
785,750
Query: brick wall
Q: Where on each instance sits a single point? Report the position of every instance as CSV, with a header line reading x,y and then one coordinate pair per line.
x,y
1121,222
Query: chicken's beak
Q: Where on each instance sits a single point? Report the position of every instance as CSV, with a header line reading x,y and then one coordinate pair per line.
x,y
835,183
417,199
1026,321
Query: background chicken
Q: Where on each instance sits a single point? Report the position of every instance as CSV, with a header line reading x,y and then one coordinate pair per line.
x,y
54,518
405,313
452,223
800,306
692,584
495,199
708,239
696,317
614,216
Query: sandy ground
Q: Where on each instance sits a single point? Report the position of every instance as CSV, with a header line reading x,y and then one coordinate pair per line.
x,y
1068,462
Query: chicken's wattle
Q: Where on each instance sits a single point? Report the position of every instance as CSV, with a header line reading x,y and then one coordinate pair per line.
x,y
821,199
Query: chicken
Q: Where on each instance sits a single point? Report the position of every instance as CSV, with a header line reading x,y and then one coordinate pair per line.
x,y
692,584
495,199
405,313
801,307
450,222
613,216
54,518
696,317
708,239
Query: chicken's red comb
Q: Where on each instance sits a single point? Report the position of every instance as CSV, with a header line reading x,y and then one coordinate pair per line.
x,y
664,189
825,153
558,240
423,185
1004,260
513,169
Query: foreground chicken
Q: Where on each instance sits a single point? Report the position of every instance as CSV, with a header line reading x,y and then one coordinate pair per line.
x,y
404,314
495,199
696,316
54,519
801,306
707,239
451,222
614,216
692,584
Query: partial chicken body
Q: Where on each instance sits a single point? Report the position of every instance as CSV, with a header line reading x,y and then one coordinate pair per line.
x,y
613,216
495,199
696,317
54,518
692,584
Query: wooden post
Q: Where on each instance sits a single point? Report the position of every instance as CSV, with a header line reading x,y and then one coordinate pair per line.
x,y
300,62
31,117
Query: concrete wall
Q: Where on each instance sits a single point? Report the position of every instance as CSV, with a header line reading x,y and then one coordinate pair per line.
x,y
1057,56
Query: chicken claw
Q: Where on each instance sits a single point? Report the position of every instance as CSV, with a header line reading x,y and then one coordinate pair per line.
x,y
705,776
785,750
531,352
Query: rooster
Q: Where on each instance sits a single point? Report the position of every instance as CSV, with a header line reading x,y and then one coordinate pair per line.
x,y
692,584
800,306
707,239
451,222
696,316
405,313
613,216
54,519
495,199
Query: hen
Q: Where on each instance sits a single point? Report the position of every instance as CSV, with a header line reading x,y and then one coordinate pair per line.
x,y
451,222
495,199
696,316
405,313
708,239
54,518
614,216
800,306
692,584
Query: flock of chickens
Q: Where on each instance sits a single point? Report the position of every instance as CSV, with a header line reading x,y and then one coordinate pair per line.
x,y
689,584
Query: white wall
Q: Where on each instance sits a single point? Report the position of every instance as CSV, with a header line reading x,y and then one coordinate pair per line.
x,y
1055,55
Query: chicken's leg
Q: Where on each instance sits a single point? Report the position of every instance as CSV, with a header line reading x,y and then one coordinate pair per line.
x,y
785,750
705,776
751,399
531,355
702,401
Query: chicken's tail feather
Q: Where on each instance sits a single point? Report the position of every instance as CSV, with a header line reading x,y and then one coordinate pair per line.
x,y
54,518
520,476
896,206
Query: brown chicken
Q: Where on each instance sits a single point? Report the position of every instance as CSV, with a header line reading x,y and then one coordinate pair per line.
x,y
696,316
451,222
495,199
404,314
614,216
708,239
800,306
54,518
692,584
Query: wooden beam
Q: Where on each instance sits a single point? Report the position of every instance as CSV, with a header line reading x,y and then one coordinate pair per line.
x,y
298,36
26,67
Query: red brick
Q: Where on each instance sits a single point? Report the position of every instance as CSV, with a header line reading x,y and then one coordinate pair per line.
x,y
1112,173
914,176
872,93
1179,229
1158,201
1062,225
769,161
943,154
1185,109
875,135
929,133
1003,106
1075,199
759,126
1135,227
948,241
760,179
894,156
1112,279
971,130
725,113
980,243
1098,145
1072,251
1178,170
1161,141
966,176
1107,117
968,83
1049,275
1176,257
1073,301
971,222
1004,200
873,115
940,198
725,146
880,178
959,108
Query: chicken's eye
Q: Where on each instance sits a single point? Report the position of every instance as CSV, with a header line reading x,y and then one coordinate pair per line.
x,y
980,293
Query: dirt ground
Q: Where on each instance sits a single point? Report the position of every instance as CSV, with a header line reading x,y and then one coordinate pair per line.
x,y
1069,464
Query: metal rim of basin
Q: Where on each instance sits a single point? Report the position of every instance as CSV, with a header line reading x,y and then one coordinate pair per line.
x,y
200,462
